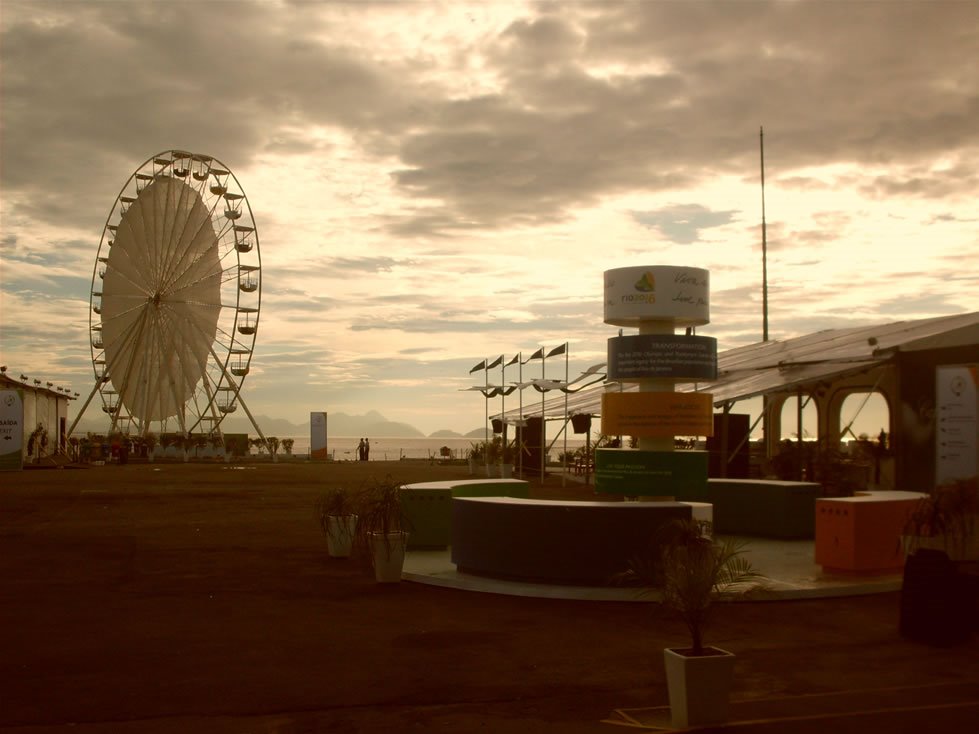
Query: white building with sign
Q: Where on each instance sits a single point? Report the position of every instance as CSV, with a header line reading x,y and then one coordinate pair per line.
x,y
37,403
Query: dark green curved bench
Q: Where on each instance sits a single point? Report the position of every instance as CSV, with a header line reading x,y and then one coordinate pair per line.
x,y
767,508
428,506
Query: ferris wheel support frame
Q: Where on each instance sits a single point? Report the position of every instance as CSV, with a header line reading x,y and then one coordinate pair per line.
x,y
231,383
81,412
241,400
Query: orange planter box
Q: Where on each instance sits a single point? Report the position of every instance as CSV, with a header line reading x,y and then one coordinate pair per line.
x,y
863,533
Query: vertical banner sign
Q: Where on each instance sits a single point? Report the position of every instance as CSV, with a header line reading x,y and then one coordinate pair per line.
x,y
317,436
956,429
11,430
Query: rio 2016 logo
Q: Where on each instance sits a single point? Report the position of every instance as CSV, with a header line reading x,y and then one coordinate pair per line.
x,y
646,290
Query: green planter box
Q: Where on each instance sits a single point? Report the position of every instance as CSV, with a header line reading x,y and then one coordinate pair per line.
x,y
678,474
767,508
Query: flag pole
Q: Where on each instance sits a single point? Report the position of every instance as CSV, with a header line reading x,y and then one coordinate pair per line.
x,y
503,412
486,418
564,468
543,420
765,424
764,242
520,426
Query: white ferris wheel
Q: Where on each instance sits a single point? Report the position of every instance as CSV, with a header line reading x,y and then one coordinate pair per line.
x,y
176,298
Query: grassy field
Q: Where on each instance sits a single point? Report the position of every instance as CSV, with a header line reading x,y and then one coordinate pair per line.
x,y
178,597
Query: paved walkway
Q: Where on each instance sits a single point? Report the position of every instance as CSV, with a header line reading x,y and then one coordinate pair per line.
x,y
788,568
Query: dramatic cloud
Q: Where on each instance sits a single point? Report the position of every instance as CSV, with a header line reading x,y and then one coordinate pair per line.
x,y
682,223
433,182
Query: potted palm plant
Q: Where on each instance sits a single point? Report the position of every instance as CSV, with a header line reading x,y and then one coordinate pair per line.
x,y
946,519
336,512
940,537
697,570
272,442
506,467
475,455
494,450
693,569
383,526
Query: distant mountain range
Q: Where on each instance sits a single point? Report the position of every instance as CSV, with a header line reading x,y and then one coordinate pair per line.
x,y
338,424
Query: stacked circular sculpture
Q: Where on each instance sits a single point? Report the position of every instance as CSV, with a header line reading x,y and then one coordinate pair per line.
x,y
657,300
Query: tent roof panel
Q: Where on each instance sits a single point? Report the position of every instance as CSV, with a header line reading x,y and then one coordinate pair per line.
x,y
774,366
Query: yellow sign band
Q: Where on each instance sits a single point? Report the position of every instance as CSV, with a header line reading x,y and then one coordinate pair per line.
x,y
657,414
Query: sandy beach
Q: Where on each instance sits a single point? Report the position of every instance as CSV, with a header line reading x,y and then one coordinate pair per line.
x,y
175,597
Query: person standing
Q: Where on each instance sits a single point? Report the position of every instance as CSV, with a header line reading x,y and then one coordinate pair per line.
x,y
367,449
360,450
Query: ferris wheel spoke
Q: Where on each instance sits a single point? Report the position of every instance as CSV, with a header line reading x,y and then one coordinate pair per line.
x,y
142,399
193,334
229,274
154,404
174,380
212,405
129,366
120,355
122,286
118,331
210,206
175,221
205,288
126,258
196,254
151,237
204,275
124,308
226,231
203,399
170,189
161,406
187,208
229,344
203,270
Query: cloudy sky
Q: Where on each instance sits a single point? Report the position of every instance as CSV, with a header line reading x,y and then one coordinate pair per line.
x,y
436,183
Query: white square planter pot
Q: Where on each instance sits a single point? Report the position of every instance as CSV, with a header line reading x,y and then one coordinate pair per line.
x,y
699,687
340,535
388,552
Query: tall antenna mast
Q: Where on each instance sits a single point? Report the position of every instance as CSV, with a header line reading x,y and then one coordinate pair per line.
x,y
764,242
765,404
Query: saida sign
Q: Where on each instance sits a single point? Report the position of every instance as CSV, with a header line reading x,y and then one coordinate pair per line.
x,y
11,430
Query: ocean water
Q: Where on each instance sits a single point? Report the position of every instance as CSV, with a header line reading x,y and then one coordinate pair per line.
x,y
344,448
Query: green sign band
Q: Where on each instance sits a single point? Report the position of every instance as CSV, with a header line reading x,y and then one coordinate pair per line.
x,y
679,474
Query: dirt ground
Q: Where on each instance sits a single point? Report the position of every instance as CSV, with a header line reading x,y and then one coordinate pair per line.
x,y
175,597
